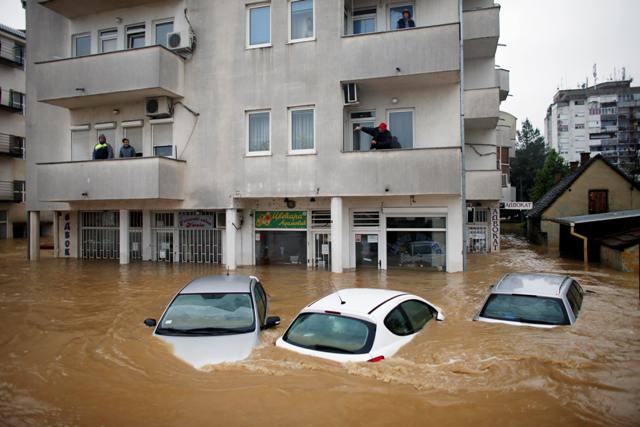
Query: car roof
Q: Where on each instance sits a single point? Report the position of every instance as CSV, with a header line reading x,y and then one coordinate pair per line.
x,y
548,285
219,284
359,301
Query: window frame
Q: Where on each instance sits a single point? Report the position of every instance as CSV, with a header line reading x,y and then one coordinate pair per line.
x,y
260,294
248,152
154,123
127,33
406,317
74,39
411,110
305,39
304,151
597,190
355,18
125,129
353,121
101,39
160,22
250,7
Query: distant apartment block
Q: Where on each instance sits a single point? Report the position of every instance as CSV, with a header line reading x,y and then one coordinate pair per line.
x,y
244,116
601,119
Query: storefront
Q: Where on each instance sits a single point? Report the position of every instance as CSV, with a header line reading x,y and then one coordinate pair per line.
x,y
281,237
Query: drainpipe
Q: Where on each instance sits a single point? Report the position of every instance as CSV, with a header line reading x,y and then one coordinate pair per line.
x,y
463,189
585,246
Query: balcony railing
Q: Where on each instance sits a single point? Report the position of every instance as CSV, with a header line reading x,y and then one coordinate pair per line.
x,y
11,145
12,191
12,100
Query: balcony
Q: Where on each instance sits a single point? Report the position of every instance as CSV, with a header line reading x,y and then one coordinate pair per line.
x,y
110,78
502,81
414,51
11,145
12,56
12,191
481,32
74,8
484,185
481,108
143,178
12,101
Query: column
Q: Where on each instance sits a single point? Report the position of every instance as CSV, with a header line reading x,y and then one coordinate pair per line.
x,y
124,236
230,238
336,234
146,235
34,235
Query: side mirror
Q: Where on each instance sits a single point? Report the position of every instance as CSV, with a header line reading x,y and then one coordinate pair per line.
x,y
439,316
150,322
272,322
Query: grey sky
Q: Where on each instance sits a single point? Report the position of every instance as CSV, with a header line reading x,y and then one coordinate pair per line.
x,y
550,44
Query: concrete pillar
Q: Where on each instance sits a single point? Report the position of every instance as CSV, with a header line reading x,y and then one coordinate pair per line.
x,y
124,236
34,235
56,234
336,234
230,239
146,235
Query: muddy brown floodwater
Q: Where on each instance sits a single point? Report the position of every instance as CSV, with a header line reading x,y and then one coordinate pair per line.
x,y
74,351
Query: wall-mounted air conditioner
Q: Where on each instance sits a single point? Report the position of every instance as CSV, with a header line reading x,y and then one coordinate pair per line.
x,y
158,107
180,41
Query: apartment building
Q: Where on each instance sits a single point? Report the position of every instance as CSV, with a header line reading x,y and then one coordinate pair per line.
x,y
507,132
244,117
12,131
600,119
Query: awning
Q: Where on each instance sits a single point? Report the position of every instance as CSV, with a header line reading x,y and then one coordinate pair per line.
x,y
609,216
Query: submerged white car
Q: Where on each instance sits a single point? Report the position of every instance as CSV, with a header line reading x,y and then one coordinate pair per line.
x,y
215,319
358,325
540,300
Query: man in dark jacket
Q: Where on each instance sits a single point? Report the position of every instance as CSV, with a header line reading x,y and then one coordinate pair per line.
x,y
382,138
102,149
406,21
127,150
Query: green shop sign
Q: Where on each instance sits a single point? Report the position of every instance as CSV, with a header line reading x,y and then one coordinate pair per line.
x,y
281,219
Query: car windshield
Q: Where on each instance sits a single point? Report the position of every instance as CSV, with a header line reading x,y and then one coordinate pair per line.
x,y
208,314
331,333
526,309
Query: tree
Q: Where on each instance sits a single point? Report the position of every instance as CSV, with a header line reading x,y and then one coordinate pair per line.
x,y
554,167
530,156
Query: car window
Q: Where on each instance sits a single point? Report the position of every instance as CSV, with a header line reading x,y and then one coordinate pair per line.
x,y
574,295
397,322
526,309
331,333
261,302
418,313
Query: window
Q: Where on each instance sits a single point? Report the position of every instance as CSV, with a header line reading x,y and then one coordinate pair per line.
x,y
364,21
360,141
408,317
81,147
258,132
134,134
259,26
108,40
579,103
302,124
18,53
162,137
301,20
525,309
136,35
17,99
579,125
598,201
574,296
81,45
417,241
395,14
162,30
261,302
401,127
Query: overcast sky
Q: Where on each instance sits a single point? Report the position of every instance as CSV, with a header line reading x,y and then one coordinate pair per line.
x,y
551,44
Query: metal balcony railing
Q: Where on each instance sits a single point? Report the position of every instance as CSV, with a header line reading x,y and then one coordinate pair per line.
x,y
11,145
12,191
12,100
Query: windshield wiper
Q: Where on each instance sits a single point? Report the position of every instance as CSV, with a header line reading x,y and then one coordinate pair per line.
x,y
217,331
523,320
329,348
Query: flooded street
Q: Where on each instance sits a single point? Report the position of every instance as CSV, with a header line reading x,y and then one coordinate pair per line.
x,y
74,351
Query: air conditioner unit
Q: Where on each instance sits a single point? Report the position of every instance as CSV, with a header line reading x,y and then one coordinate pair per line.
x,y
158,107
180,41
350,93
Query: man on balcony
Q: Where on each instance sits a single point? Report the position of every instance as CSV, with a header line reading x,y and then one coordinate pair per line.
x,y
102,150
406,21
127,150
382,138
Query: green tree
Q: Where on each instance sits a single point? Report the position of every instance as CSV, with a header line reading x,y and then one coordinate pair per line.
x,y
554,166
530,156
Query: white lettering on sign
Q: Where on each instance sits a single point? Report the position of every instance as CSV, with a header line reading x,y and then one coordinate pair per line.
x,y
67,234
495,230
523,206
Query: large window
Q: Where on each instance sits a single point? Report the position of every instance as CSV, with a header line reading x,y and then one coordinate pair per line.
x,y
108,40
302,124
81,45
258,133
401,127
162,30
360,141
301,20
133,132
162,136
364,21
259,26
136,35
81,147
416,242
395,14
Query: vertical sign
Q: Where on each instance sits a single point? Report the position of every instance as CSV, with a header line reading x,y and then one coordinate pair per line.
x,y
67,234
495,230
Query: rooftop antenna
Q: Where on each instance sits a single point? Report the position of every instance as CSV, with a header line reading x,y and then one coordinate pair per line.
x,y
595,74
624,73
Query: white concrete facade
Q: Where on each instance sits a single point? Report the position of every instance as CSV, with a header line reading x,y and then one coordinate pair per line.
x,y
215,183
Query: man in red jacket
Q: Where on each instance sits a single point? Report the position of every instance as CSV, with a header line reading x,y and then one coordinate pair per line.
x,y
382,138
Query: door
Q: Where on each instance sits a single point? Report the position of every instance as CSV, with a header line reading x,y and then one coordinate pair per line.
x,y
321,251
367,250
598,201
164,245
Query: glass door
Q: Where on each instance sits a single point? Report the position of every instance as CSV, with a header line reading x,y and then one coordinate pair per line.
x,y
322,250
367,250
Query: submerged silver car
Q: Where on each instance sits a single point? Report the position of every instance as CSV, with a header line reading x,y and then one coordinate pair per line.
x,y
215,319
541,300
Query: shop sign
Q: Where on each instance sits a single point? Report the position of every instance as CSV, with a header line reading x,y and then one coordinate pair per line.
x,y
67,234
495,230
523,206
281,219
195,221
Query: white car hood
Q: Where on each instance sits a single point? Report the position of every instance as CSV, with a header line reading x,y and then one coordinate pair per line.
x,y
200,351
